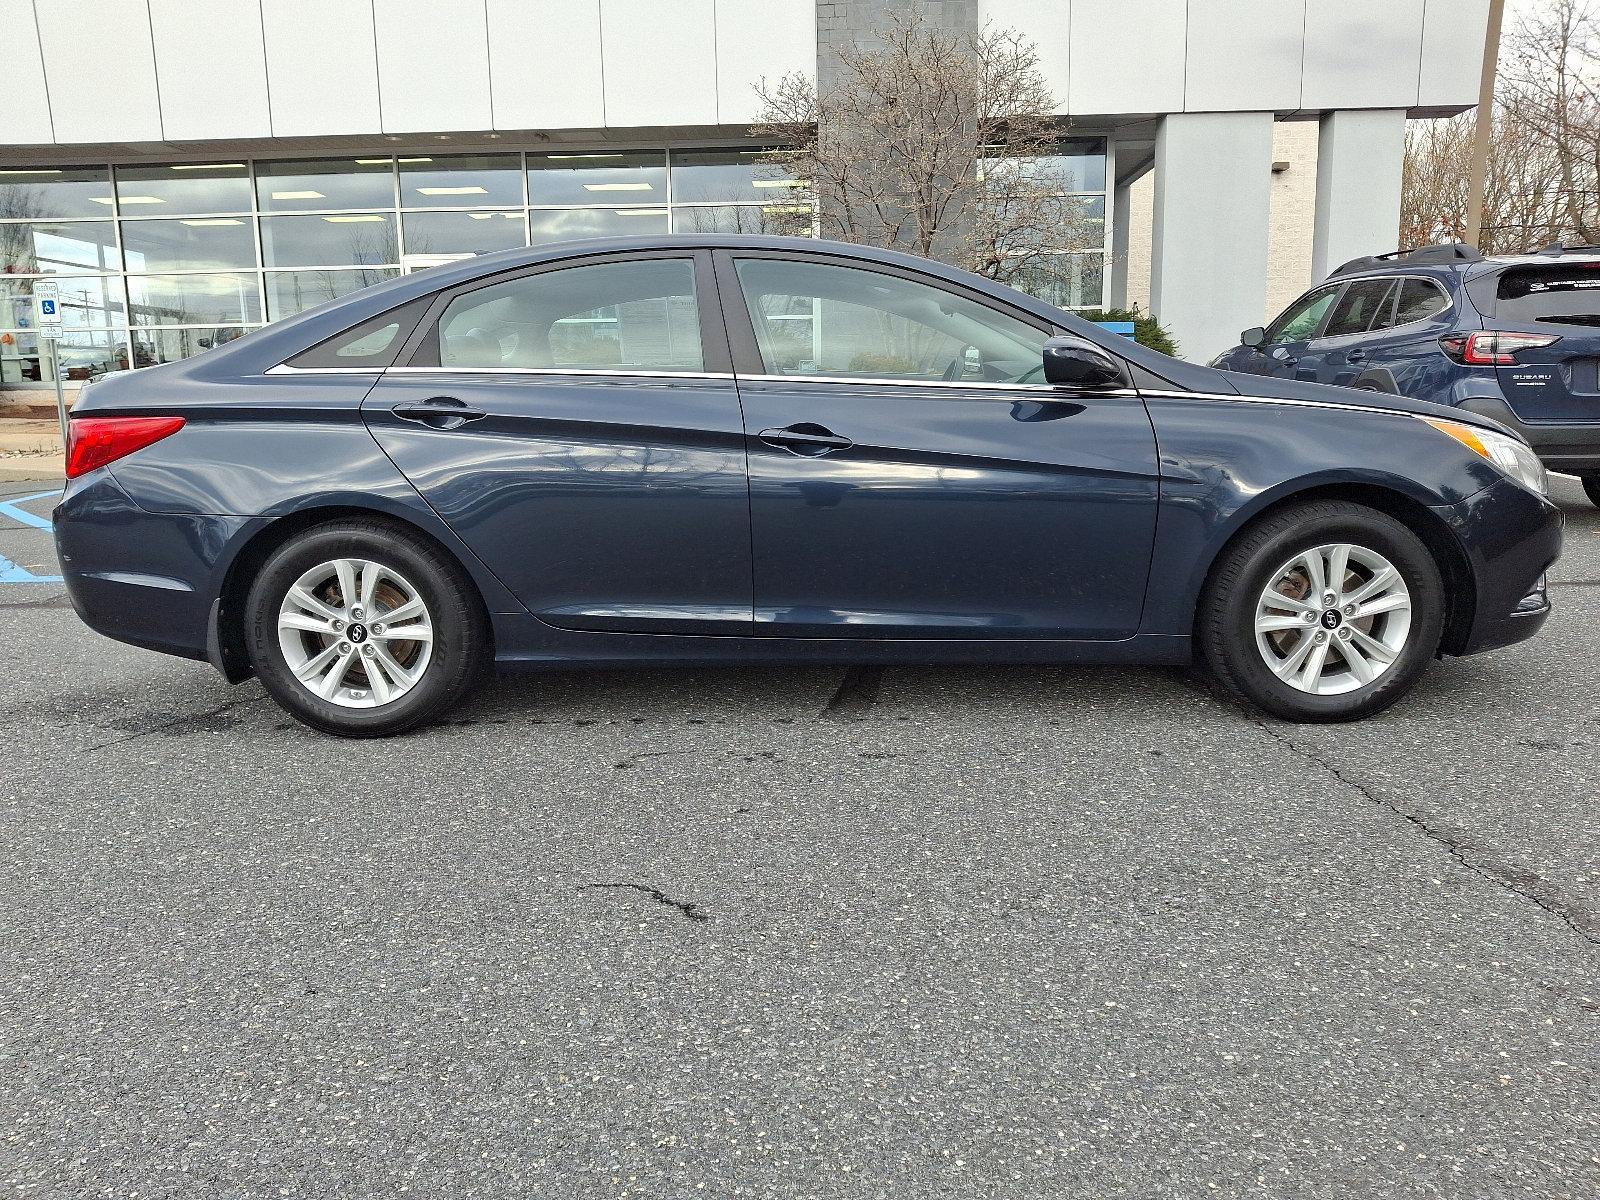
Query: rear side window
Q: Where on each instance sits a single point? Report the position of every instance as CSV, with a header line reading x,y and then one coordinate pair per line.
x,y
1364,306
639,315
1419,300
1565,294
372,344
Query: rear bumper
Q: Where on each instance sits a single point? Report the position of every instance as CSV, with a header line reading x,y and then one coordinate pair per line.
x,y
1570,448
139,577
1511,537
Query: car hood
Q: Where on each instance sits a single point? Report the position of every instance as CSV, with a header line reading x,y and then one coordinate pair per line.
x,y
1321,393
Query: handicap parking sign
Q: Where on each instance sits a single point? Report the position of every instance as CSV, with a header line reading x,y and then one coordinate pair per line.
x,y
47,308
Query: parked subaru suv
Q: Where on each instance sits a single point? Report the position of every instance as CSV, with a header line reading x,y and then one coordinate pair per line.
x,y
1516,338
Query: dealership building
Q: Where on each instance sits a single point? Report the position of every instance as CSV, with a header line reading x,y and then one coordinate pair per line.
x,y
187,170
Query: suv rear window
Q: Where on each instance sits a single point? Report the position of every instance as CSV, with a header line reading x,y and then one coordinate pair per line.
x,y
1568,294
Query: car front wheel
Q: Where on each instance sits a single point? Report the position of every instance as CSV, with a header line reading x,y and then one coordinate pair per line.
x,y
363,629
1326,611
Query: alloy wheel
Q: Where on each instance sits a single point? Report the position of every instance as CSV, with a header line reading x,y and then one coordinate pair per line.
x,y
355,633
1333,618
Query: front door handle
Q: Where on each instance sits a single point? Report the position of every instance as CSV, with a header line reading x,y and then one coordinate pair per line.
x,y
437,412
807,439
1356,356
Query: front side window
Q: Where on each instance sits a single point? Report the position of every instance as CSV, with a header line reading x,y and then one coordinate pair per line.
x,y
1363,307
817,319
1300,320
638,315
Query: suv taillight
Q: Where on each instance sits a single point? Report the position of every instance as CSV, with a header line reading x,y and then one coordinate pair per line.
x,y
1492,349
95,441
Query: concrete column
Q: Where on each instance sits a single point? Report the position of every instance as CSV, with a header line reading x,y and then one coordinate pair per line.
x,y
1360,158
1117,282
1213,189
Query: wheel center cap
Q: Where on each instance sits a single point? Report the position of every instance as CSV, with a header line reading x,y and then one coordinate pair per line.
x,y
357,633
1330,618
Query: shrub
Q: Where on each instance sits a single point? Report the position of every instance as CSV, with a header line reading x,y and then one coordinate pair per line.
x,y
1146,330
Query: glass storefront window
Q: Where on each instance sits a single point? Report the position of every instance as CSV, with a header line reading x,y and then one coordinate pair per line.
x,y
291,292
325,184
58,247
346,239
787,219
460,181
189,244
464,232
1080,167
729,175
615,177
568,224
1065,280
153,346
194,299
183,189
34,192
86,302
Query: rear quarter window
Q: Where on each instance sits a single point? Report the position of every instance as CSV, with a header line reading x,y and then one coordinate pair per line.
x,y
1565,294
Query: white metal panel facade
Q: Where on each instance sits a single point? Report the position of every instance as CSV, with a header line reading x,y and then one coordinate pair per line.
x,y
100,97
1365,54
660,62
1127,56
433,65
211,86
26,112
535,89
1244,55
756,41
322,67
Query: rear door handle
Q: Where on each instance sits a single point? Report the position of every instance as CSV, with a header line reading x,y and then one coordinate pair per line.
x,y
806,438
437,412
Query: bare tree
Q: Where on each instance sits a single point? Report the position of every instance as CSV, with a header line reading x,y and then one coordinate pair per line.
x,y
937,142
1544,154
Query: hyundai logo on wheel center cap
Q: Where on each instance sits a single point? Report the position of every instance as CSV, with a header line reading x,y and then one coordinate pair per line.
x,y
358,633
1330,620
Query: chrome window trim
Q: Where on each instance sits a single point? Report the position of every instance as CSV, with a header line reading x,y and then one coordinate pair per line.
x,y
286,369
1333,404
586,371
968,385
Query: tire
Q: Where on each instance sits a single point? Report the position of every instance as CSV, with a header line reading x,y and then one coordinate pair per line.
x,y
1277,550
1591,486
297,620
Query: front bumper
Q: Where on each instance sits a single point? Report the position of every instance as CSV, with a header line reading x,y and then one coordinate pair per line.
x,y
1511,538
1574,449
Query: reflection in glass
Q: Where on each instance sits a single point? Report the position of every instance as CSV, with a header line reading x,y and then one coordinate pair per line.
x,y
291,292
231,299
58,247
325,184
349,239
460,181
85,302
793,220
616,177
153,346
83,354
464,232
182,189
1080,167
700,175
1065,280
32,192
189,244
567,224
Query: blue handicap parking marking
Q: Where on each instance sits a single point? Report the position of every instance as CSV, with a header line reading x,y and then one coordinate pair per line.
x,y
10,572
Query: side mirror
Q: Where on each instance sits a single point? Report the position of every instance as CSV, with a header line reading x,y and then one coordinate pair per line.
x,y
1074,362
1254,337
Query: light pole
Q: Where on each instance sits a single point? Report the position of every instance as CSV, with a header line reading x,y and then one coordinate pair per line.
x,y
1484,129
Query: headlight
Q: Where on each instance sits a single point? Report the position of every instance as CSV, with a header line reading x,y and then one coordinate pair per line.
x,y
1511,456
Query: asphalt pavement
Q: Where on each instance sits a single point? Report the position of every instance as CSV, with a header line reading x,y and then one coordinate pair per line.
x,y
942,932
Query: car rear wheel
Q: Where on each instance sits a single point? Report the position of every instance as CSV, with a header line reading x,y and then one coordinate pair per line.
x,y
363,629
1591,486
1326,611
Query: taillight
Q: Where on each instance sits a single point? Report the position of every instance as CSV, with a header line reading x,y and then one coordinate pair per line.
x,y
95,441
1492,349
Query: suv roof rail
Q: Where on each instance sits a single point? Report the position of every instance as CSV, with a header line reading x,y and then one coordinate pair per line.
x,y
1452,252
1566,248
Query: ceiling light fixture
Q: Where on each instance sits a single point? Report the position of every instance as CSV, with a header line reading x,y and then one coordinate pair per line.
x,y
618,187
206,167
210,221
468,190
298,196
355,218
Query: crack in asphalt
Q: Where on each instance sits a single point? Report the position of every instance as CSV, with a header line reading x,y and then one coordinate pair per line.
x,y
185,719
1573,916
856,694
690,910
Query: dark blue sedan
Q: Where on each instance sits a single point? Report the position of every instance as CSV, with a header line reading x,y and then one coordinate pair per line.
x,y
736,450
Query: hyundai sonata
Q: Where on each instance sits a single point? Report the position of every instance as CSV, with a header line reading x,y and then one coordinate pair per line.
x,y
738,450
